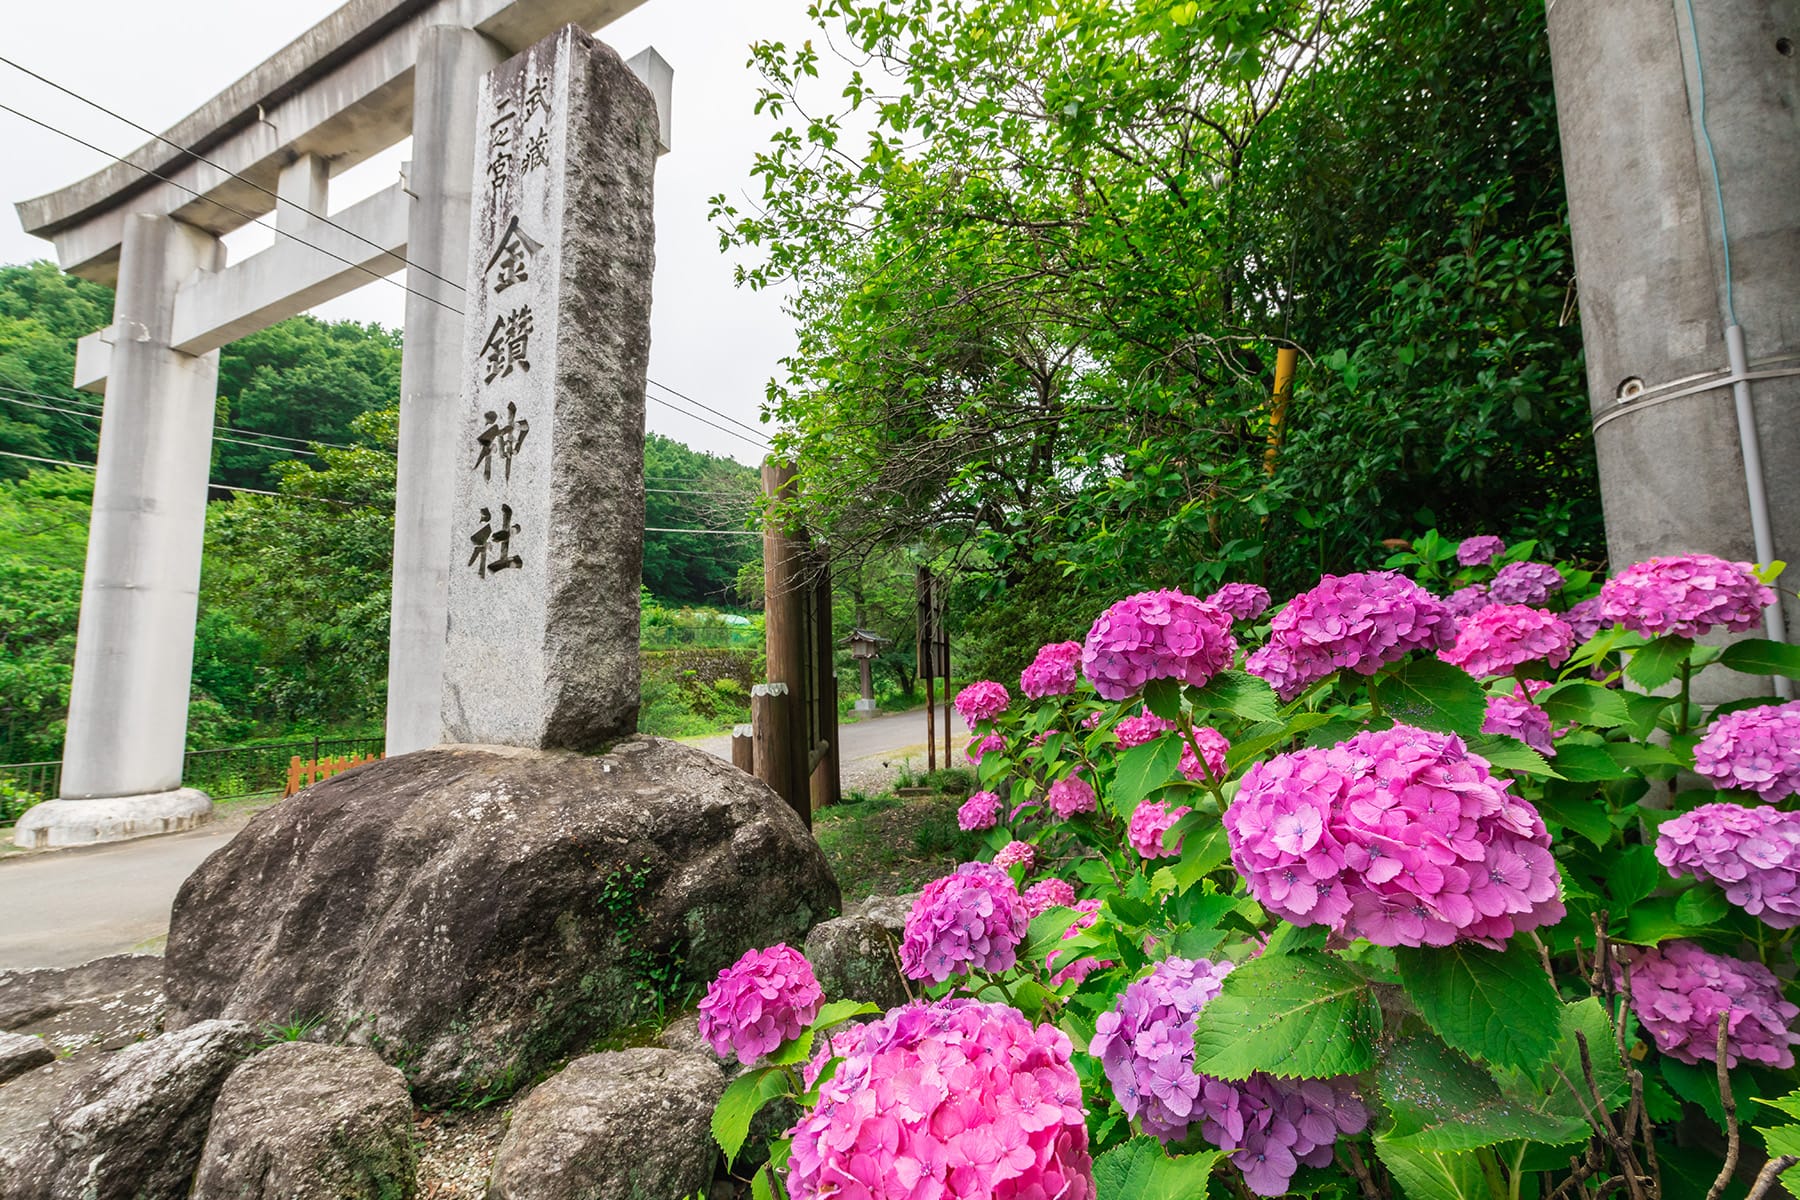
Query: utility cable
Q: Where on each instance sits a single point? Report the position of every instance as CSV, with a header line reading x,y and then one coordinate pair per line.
x,y
94,416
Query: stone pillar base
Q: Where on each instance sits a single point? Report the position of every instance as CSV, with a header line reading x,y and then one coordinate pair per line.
x,y
113,819
866,709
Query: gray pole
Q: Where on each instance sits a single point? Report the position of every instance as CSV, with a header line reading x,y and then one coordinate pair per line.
x,y
1676,262
445,92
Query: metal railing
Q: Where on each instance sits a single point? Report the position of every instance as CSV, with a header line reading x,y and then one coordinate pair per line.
x,y
224,773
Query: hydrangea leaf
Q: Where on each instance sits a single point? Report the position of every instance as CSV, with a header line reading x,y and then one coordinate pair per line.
x,y
1204,847
1437,1099
1495,1005
1046,933
1656,662
1143,1170
1432,694
742,1099
1632,874
1163,697
1757,656
1432,1174
1305,1014
1585,703
1510,754
1580,763
1789,1104
1239,693
1268,734
1703,906
832,1015
1143,769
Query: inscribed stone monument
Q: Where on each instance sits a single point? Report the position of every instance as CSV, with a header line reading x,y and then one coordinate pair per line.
x,y
542,637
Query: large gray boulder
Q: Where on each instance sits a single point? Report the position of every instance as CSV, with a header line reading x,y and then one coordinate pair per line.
x,y
624,1125
857,956
476,914
133,1128
22,1052
301,1121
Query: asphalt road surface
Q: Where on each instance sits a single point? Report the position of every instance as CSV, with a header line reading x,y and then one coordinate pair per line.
x,y
63,907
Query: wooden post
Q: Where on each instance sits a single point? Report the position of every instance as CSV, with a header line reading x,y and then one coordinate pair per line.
x,y
784,632
743,749
1286,358
926,652
772,734
827,786
942,610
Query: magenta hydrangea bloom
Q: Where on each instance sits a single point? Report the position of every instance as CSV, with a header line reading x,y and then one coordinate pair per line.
x,y
980,811
1214,746
1503,637
1685,594
1242,601
1525,583
1268,1125
1080,968
971,919
1016,854
1070,796
763,999
1586,619
1150,820
982,700
1400,836
1145,727
1755,749
1679,990
1479,551
1156,635
1467,601
982,745
1047,894
1751,853
1517,717
1052,672
956,1098
1355,622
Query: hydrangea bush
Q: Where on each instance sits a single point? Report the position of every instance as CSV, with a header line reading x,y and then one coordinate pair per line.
x,y
1423,885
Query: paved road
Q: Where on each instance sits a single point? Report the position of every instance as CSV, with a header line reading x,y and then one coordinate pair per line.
x,y
63,907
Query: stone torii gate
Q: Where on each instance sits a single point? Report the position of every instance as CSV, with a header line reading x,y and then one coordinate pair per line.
x,y
357,83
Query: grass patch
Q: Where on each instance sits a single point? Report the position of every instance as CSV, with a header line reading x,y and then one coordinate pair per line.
x,y
886,845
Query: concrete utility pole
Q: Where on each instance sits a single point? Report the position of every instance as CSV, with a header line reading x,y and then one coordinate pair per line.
x,y
1681,149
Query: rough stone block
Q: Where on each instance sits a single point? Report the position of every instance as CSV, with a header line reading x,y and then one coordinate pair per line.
x,y
22,1052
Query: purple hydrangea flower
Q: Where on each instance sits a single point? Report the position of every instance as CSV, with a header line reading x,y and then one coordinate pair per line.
x,y
1755,749
1047,894
1242,601
1525,583
1467,601
1679,991
1751,853
956,1098
1146,727
763,999
1355,622
1052,672
1479,551
1503,637
1016,854
972,919
1070,796
1156,635
1685,594
1214,746
1517,716
981,701
1586,619
1400,836
1150,820
980,811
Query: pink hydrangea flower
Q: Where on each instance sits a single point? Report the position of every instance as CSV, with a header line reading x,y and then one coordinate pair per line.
x,y
1156,635
1270,1126
1517,716
1525,583
1755,749
1052,672
956,1098
982,745
1145,727
982,701
1479,551
1400,836
1242,601
1503,637
1751,853
1679,991
971,919
1467,601
1047,894
1080,968
763,999
1150,820
1214,746
1016,854
1354,622
1070,796
980,811
1685,594
1586,619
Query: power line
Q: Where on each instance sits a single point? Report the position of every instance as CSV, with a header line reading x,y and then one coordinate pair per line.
x,y
235,212
715,412
55,462
223,487
695,417
720,532
198,157
94,416
90,416
689,492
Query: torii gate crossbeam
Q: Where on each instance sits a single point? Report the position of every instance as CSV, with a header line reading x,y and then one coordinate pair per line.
x,y
363,79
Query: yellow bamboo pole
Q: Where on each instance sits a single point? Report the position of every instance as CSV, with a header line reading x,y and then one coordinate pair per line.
x,y
1286,358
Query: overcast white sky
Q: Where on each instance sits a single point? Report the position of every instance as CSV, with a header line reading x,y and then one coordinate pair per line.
x,y
156,60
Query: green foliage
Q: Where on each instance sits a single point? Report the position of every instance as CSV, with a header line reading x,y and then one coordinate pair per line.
x,y
1143,1170
688,489
43,544
1293,1015
1495,1005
